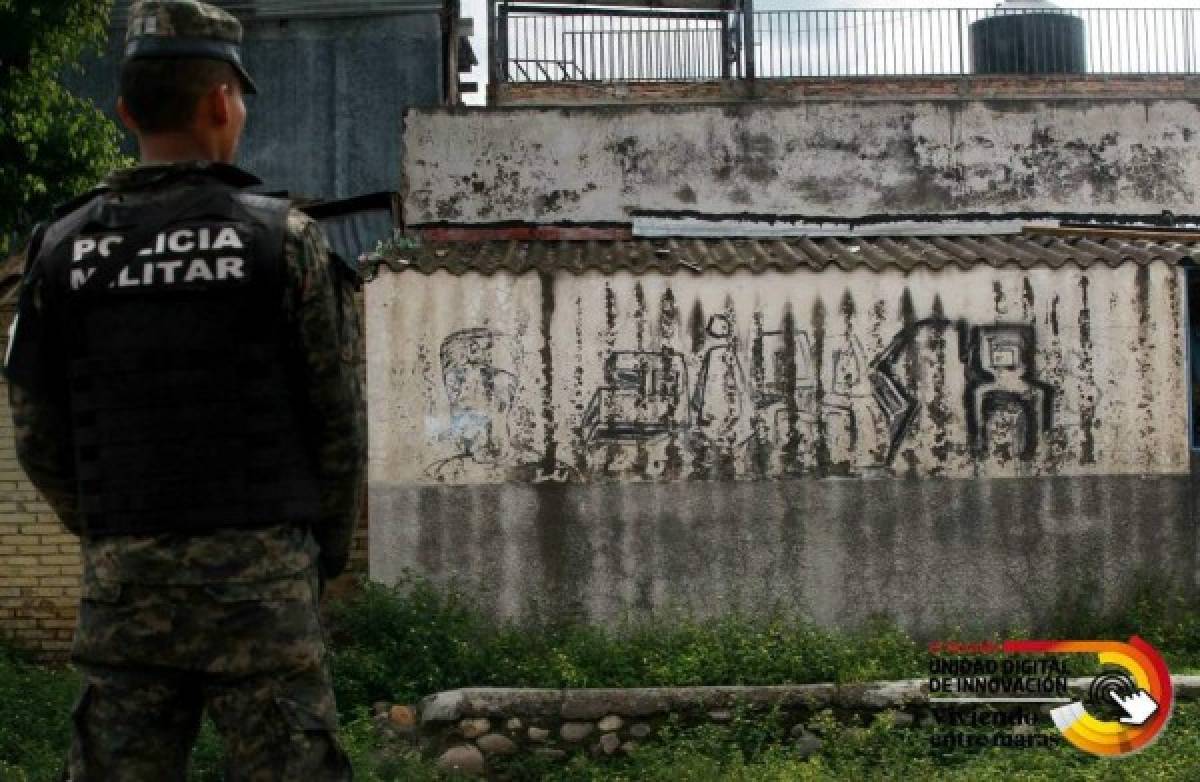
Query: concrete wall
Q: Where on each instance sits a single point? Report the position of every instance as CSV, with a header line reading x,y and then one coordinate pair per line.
x,y
600,445
326,123
979,87
827,159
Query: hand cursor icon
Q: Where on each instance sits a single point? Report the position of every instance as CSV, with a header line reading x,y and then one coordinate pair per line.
x,y
1139,706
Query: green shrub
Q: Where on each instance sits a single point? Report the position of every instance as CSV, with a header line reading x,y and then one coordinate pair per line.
x,y
400,643
376,761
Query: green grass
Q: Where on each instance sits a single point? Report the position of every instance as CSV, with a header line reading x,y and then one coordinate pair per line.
x,y
398,644
34,704
403,642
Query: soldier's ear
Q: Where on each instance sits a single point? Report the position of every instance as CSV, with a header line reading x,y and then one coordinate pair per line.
x,y
126,118
217,104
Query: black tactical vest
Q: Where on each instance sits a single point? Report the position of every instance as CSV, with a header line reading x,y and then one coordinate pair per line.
x,y
182,386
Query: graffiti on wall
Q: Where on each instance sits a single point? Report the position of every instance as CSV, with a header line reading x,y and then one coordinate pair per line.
x,y
1003,375
645,396
999,367
480,374
786,403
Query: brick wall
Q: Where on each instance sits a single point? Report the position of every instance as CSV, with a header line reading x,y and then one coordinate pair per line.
x,y
867,88
39,559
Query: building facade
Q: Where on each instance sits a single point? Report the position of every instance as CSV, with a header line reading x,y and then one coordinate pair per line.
x,y
335,80
838,358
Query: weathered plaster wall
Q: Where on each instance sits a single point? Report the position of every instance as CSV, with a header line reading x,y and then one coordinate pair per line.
x,y
609,444
831,159
893,87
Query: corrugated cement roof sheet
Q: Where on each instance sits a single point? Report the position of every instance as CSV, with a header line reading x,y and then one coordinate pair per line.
x,y
759,255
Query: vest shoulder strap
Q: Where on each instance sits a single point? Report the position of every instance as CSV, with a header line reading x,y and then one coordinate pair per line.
x,y
271,216
70,221
269,211
66,207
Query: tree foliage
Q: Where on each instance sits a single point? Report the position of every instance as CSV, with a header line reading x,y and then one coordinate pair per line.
x,y
53,145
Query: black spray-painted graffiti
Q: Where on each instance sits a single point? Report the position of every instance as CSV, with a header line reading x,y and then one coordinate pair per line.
x,y
799,404
1003,372
480,371
644,396
999,362
783,404
796,405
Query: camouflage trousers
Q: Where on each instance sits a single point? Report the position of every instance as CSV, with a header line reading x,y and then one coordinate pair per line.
x,y
154,658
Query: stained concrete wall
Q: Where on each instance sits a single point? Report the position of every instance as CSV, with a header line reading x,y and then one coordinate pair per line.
x,y
956,447
822,159
332,95
1026,86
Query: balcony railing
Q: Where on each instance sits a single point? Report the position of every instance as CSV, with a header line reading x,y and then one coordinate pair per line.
x,y
589,44
550,43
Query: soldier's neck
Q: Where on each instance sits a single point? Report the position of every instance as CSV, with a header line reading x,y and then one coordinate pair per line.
x,y
179,148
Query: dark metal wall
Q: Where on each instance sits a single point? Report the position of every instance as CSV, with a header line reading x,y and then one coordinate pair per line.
x,y
333,92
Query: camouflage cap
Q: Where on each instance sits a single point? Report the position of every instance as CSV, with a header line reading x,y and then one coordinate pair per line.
x,y
185,28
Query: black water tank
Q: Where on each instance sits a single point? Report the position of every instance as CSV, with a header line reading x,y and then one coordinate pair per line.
x,y
1028,37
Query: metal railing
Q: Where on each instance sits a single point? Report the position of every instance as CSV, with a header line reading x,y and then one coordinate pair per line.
x,y
937,42
571,43
609,44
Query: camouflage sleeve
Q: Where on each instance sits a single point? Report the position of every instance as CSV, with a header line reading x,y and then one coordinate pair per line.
x,y
41,406
321,305
45,451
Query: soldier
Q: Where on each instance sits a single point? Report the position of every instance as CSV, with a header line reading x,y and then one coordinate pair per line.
x,y
183,379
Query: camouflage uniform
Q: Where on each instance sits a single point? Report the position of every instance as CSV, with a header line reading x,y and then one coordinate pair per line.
x,y
153,23
174,624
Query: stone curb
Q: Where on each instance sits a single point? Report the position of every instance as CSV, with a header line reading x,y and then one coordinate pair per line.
x,y
590,704
469,726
